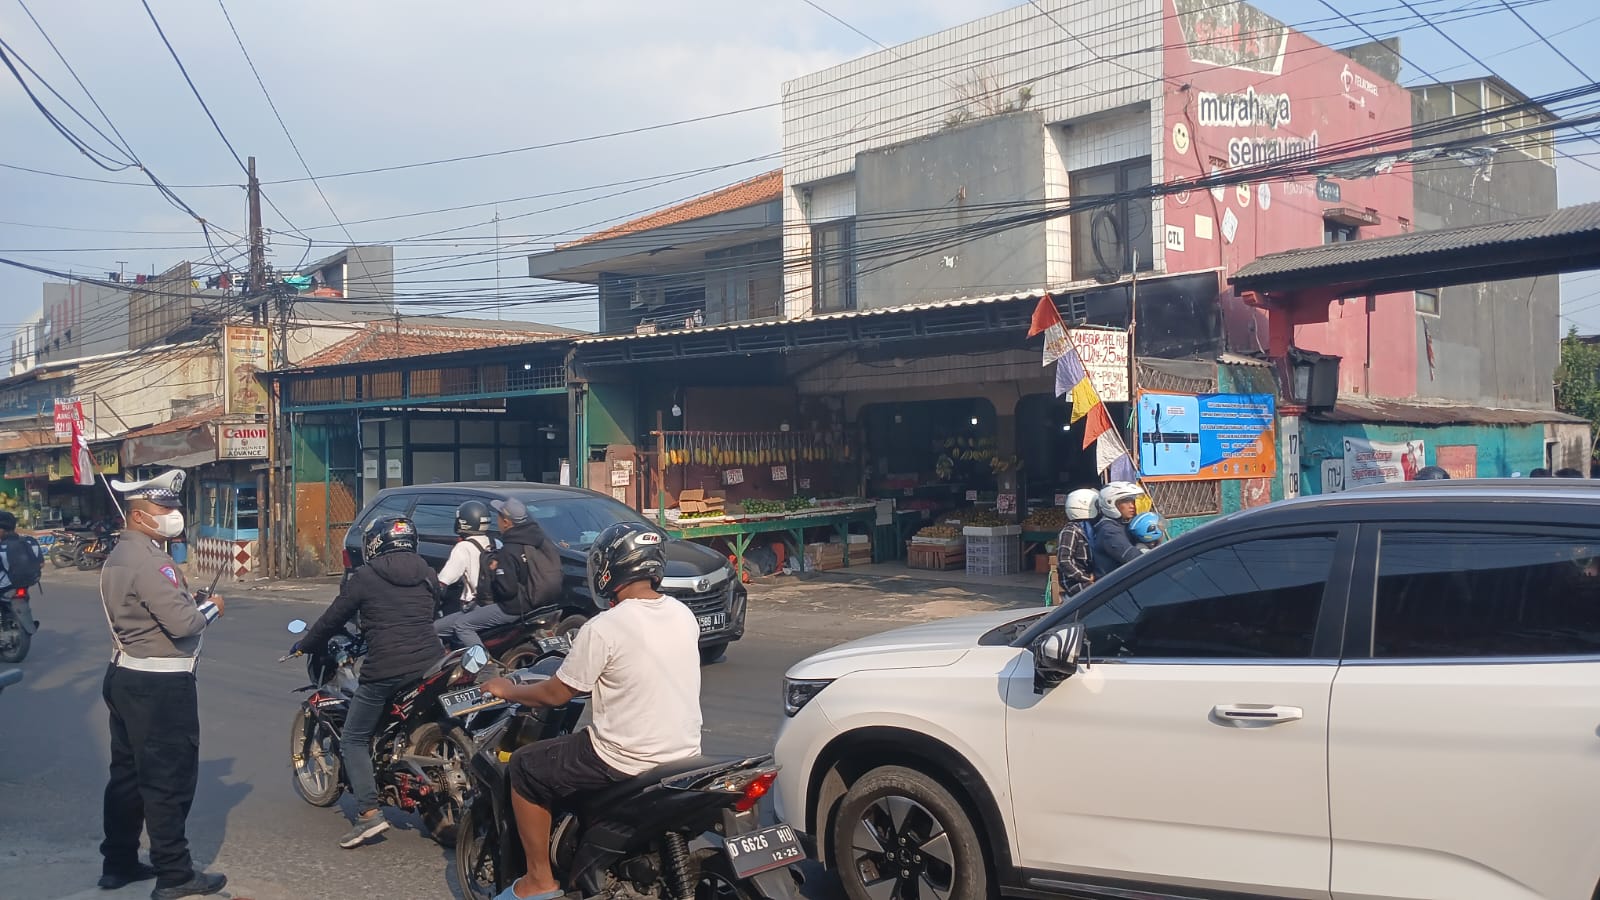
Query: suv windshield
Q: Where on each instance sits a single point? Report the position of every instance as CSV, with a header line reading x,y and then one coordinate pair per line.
x,y
577,521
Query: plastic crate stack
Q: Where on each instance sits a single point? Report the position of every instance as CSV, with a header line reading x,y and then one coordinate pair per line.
x,y
994,551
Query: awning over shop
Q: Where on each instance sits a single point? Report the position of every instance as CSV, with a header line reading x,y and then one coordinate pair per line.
x,y
180,449
185,461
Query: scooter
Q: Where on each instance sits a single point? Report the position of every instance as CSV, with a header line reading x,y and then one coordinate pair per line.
x,y
631,840
17,625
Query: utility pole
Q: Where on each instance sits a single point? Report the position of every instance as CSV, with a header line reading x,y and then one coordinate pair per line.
x,y
258,249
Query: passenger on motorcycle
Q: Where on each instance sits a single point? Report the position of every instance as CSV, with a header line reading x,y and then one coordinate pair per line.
x,y
640,659
464,564
394,596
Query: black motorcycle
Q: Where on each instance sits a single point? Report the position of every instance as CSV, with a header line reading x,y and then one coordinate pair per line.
x,y
17,625
631,840
68,547
93,554
519,644
419,754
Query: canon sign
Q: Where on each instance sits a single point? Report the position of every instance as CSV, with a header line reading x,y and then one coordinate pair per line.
x,y
242,441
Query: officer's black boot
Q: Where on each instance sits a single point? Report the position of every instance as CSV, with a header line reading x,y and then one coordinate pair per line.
x,y
200,885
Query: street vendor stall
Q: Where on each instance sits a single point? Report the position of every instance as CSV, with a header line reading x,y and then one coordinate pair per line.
x,y
742,530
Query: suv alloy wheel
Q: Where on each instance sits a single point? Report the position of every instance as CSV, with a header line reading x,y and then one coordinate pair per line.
x,y
898,833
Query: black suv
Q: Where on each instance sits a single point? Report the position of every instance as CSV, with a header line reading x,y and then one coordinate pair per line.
x,y
572,517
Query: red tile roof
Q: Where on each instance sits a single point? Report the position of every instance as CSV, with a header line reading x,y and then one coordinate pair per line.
x,y
376,343
754,192
197,419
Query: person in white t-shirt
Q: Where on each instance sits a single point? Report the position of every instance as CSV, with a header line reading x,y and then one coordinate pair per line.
x,y
640,659
464,564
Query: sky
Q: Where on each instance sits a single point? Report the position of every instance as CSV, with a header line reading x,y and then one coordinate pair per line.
x,y
364,84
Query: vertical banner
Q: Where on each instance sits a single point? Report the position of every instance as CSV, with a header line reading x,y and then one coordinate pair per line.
x,y
67,411
1104,353
245,352
1290,426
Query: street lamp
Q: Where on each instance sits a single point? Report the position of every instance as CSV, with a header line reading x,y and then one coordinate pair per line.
x,y
1313,379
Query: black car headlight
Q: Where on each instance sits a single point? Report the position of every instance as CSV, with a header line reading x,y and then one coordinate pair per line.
x,y
797,692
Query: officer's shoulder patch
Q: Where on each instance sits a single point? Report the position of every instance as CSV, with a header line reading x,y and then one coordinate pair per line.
x,y
171,573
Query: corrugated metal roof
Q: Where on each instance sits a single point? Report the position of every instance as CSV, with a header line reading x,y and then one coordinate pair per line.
x,y
1571,221
823,317
1400,412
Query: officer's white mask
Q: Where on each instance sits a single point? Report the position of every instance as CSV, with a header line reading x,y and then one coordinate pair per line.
x,y
168,525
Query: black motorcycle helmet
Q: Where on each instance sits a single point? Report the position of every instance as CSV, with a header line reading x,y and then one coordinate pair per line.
x,y
472,517
1432,473
622,554
392,535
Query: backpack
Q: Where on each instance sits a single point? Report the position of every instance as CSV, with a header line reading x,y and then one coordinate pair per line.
x,y
521,578
24,560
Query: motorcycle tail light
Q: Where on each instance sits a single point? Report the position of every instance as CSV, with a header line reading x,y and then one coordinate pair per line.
x,y
22,593
755,790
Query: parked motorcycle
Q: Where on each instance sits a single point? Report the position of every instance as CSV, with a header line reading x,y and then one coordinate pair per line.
x,y
93,554
630,840
67,547
419,754
17,625
9,677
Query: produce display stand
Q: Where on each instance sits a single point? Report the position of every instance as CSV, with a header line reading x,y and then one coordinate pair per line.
x,y
741,532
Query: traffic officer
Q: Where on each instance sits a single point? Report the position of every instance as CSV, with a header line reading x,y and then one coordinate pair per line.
x,y
156,627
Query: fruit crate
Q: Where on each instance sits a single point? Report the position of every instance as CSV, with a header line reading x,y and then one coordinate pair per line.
x,y
935,557
994,555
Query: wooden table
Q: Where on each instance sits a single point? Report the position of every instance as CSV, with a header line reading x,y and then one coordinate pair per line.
x,y
741,533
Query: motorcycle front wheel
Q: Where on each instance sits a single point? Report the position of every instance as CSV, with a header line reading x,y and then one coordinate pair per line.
x,y
314,758
452,782
14,639
478,855
62,557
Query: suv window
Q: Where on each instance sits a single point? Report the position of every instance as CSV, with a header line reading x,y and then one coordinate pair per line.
x,y
1257,599
392,505
435,518
1503,594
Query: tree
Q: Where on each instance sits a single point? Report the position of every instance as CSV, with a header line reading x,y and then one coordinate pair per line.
x,y
1578,378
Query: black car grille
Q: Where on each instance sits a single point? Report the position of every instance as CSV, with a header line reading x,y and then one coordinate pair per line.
x,y
700,604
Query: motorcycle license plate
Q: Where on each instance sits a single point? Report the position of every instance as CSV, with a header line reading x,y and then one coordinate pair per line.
x,y
558,644
468,700
763,851
713,622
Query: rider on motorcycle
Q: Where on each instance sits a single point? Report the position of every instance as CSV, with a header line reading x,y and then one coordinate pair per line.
x,y
394,596
464,565
640,659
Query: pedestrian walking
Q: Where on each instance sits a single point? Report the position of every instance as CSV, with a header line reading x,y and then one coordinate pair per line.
x,y
156,630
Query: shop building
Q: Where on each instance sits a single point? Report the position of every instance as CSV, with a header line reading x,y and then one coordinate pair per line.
x,y
421,403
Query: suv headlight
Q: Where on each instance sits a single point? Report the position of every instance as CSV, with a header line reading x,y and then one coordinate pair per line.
x,y
798,692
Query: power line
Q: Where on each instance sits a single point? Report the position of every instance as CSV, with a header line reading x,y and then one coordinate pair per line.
x,y
1540,35
190,81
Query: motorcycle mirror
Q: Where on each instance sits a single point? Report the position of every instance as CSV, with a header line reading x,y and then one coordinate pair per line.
x,y
298,626
475,660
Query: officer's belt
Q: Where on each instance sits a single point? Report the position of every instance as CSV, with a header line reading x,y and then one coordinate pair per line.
x,y
158,664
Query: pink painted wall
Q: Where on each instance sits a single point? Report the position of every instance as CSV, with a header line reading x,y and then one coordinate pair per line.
x,y
1243,88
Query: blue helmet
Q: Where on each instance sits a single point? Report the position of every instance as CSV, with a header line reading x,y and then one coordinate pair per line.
x,y
1146,528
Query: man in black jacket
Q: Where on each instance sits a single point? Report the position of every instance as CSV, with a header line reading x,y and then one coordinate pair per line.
x,y
394,596
525,537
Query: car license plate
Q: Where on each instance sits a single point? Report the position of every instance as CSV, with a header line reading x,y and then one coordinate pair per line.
x,y
467,700
558,644
763,851
713,622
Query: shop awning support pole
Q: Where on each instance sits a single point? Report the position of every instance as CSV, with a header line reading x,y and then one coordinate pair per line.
x,y
661,471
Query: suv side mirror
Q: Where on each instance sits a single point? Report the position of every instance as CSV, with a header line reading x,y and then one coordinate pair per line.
x,y
1056,656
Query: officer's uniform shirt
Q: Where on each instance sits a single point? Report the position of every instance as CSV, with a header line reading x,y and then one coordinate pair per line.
x,y
148,603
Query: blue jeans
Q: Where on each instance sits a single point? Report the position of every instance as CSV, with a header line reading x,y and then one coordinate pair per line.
x,y
463,627
355,744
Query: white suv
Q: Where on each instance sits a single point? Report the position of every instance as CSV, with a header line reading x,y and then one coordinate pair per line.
x,y
1392,693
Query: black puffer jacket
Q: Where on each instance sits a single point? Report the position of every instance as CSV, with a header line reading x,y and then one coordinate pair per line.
x,y
392,600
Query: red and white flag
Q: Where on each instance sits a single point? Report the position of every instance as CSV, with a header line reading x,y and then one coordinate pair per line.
x,y
1047,321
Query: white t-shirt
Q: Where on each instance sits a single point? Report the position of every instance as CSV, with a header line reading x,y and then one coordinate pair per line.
x,y
466,558
641,660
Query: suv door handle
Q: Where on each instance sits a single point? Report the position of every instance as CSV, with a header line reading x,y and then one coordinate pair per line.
x,y
1256,713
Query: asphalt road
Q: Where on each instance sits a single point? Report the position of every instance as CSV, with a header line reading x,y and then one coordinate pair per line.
x,y
247,820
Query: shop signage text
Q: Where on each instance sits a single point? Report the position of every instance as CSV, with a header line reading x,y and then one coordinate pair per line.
x,y
1375,462
68,410
246,351
1104,354
242,441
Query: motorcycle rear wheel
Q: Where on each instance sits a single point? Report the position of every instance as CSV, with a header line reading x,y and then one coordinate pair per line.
x,y
453,783
14,640
314,759
714,878
478,855
89,562
62,557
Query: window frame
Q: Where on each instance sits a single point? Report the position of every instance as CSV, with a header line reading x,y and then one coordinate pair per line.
x,y
1330,228
1119,171
1438,301
1361,623
1326,642
846,230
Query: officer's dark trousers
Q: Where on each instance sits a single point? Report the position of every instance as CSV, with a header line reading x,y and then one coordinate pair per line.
x,y
155,761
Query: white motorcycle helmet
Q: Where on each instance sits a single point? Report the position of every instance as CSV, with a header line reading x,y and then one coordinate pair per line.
x,y
1115,492
1081,505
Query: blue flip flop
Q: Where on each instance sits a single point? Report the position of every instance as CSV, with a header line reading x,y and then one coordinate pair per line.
x,y
510,893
